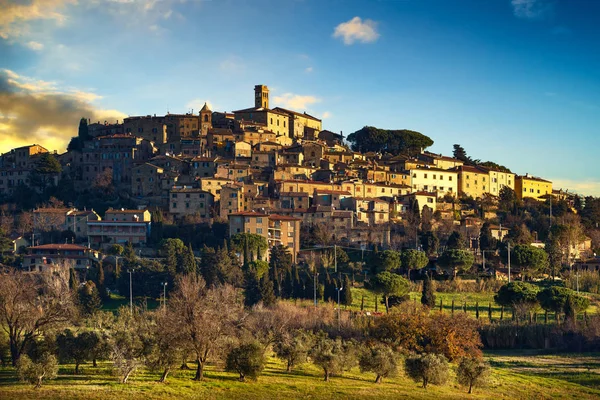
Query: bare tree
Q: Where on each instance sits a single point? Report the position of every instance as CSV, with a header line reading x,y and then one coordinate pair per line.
x,y
205,317
31,304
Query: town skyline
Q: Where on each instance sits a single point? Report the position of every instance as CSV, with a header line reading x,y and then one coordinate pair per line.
x,y
519,91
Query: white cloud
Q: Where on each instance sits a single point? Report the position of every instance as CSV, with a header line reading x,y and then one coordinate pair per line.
x,y
532,9
37,111
197,105
326,115
308,70
36,46
586,187
295,101
357,30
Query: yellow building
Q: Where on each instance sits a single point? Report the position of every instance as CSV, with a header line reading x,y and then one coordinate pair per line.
x,y
436,180
531,186
300,123
189,201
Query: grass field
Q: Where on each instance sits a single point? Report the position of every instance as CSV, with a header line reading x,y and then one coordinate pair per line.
x,y
514,376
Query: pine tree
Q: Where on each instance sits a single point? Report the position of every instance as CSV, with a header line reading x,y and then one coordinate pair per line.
x,y
347,292
427,296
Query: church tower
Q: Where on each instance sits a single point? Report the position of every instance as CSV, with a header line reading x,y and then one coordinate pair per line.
x,y
205,120
261,96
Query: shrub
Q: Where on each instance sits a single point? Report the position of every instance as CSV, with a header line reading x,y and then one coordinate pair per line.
x,y
454,336
472,373
428,295
589,281
292,347
379,359
35,372
427,368
247,360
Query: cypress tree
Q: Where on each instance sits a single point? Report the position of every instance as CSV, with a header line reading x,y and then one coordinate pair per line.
x,y
73,281
100,283
347,292
267,293
275,278
427,295
252,289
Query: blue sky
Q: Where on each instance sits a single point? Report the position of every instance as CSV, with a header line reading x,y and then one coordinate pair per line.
x,y
514,81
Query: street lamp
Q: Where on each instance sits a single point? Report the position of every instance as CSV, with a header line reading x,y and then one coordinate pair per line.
x,y
316,279
130,271
339,311
164,285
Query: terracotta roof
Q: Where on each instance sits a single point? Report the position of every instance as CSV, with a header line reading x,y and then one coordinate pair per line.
x,y
325,191
305,115
111,211
302,194
59,247
532,178
53,210
277,217
249,214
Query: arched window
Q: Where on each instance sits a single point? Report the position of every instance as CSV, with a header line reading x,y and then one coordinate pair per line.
x,y
206,118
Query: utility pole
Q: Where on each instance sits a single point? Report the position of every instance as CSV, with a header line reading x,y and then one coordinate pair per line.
x,y
316,278
508,262
335,255
130,271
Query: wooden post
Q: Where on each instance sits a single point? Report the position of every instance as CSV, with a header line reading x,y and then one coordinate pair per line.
x,y
490,312
452,306
501,313
441,305
362,303
476,310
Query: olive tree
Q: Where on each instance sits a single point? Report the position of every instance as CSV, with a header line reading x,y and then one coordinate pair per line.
x,y
248,360
379,359
472,372
34,372
427,368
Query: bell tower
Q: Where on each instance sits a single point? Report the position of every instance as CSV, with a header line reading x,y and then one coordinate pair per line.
x,y
205,119
261,96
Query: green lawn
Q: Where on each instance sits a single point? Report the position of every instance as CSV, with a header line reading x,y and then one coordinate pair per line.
x,y
514,376
117,301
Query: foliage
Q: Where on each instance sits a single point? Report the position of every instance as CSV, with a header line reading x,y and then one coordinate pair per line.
x,y
456,260
389,284
486,240
127,344
332,355
430,243
531,259
413,259
89,298
293,346
379,359
247,360
554,298
346,296
387,260
403,141
250,244
516,293
205,317
427,368
472,372
454,336
428,295
31,305
456,240
35,372
172,250
77,348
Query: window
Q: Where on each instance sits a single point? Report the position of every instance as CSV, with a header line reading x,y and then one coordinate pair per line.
x,y
425,176
449,178
174,205
259,231
174,195
430,200
259,220
187,205
434,176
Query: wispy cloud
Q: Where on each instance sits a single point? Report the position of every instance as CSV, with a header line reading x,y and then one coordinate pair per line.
x,y
232,64
533,9
308,70
326,115
16,14
357,30
37,111
586,187
36,46
295,101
